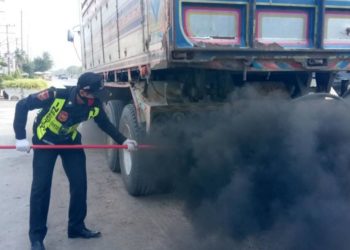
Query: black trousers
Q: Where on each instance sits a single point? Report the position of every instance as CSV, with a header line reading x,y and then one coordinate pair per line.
x,y
74,164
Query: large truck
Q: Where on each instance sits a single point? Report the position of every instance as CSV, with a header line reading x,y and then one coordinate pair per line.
x,y
164,58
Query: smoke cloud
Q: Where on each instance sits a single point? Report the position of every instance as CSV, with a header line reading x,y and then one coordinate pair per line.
x,y
262,170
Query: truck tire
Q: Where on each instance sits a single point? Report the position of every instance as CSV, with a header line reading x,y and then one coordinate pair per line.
x,y
113,110
130,164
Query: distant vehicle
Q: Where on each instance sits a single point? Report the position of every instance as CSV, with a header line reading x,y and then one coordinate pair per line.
x,y
63,77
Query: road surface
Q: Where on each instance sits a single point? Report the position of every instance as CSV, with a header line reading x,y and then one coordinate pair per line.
x,y
128,223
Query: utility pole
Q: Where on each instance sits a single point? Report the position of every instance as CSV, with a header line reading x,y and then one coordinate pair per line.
x,y
21,30
1,12
8,49
7,26
16,63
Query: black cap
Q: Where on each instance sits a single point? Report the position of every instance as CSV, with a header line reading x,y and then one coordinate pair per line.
x,y
90,82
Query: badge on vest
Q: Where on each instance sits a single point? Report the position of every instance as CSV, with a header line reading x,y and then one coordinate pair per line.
x,y
62,116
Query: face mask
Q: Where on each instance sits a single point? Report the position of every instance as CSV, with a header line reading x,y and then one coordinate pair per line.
x,y
84,99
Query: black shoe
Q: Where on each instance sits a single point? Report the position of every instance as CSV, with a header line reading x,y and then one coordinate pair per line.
x,y
83,233
38,245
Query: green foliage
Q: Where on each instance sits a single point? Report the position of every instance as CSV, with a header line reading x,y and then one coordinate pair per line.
x,y
24,64
25,83
7,77
21,58
43,63
16,74
2,63
28,67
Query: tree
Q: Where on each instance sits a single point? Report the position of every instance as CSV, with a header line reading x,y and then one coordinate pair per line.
x,y
43,63
21,58
28,67
2,63
74,70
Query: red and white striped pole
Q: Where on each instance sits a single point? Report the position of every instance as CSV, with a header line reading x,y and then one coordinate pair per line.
x,y
87,146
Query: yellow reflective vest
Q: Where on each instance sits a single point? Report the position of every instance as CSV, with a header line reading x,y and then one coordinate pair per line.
x,y
50,121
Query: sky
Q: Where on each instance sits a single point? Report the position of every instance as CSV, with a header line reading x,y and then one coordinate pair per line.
x,y
45,26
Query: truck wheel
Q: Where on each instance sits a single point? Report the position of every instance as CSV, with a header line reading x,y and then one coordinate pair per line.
x,y
113,110
131,169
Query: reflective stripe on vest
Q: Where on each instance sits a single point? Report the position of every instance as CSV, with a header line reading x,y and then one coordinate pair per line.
x,y
50,122
94,112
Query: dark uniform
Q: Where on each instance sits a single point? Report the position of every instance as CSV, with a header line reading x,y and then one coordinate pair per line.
x,y
57,123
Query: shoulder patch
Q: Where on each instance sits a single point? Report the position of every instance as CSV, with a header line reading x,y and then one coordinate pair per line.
x,y
43,95
63,116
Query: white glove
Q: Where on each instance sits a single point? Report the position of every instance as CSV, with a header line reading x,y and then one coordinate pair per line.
x,y
132,144
22,145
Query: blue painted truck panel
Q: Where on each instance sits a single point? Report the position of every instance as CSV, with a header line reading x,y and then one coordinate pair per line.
x,y
290,24
122,34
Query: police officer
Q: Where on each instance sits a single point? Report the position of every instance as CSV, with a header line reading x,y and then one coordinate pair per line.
x,y
61,112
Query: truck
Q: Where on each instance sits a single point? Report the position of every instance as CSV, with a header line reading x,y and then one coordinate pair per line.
x,y
164,58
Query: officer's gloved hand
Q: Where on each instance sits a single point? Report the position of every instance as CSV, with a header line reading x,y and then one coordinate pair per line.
x,y
132,144
22,145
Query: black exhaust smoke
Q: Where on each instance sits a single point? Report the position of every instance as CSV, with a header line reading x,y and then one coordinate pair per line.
x,y
263,170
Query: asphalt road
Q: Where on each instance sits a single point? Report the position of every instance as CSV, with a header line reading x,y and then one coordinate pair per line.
x,y
148,223
128,223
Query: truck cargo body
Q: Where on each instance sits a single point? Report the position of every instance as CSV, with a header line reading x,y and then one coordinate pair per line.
x,y
236,35
166,57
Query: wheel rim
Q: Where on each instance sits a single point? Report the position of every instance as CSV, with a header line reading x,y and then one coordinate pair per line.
x,y
110,141
110,151
127,157
127,161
